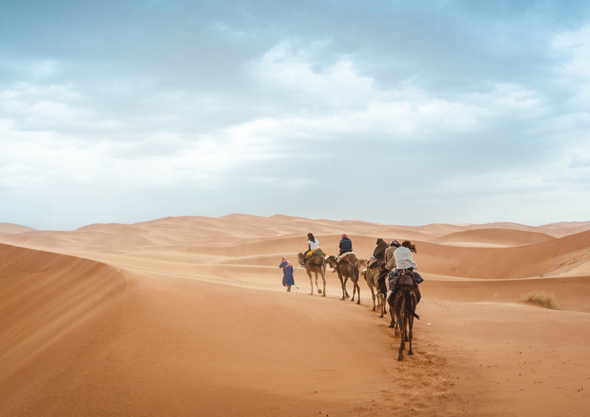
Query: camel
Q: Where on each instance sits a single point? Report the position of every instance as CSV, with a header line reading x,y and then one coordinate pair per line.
x,y
316,264
347,270
404,306
372,275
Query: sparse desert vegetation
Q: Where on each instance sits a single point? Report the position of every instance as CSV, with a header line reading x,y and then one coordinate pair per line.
x,y
541,298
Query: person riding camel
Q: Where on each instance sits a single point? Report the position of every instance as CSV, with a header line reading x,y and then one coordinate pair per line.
x,y
379,252
345,248
312,245
404,261
389,258
389,263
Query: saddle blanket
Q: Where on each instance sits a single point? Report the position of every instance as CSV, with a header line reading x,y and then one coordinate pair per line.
x,y
371,262
318,252
344,257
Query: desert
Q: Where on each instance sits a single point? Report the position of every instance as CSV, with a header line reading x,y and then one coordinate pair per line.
x,y
187,316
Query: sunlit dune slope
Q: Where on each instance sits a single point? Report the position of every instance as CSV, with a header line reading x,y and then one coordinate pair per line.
x,y
501,237
546,258
14,228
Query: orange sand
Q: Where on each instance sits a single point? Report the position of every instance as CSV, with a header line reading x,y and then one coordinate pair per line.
x,y
187,316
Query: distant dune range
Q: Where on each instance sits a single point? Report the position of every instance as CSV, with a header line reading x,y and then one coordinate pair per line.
x,y
186,316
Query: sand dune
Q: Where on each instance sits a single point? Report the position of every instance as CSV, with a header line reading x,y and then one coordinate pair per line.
x,y
500,237
14,228
186,316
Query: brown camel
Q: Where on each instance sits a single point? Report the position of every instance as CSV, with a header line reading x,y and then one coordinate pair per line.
x,y
347,270
372,275
315,263
404,306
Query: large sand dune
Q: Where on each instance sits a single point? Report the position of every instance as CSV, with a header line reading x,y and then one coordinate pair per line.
x,y
186,316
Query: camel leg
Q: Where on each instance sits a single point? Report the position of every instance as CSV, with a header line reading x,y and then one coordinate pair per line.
x,y
310,280
316,282
402,329
402,346
353,289
358,292
323,273
411,325
392,313
346,292
343,286
373,297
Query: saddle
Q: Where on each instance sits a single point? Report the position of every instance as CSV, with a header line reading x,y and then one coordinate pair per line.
x,y
345,260
316,252
372,262
405,279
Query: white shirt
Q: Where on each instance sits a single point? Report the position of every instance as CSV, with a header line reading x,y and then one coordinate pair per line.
x,y
403,258
314,245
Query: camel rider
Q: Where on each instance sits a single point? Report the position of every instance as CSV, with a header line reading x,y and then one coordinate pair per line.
x,y
379,252
345,246
312,245
389,262
404,260
389,258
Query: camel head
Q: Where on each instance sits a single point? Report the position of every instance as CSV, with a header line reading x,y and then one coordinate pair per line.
x,y
332,261
301,259
362,264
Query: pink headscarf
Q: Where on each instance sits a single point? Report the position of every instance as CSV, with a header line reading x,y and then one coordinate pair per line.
x,y
344,236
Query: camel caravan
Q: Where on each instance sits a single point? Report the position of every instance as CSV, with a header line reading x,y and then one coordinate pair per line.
x,y
389,273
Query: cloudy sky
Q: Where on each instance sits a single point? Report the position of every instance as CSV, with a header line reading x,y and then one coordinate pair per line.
x,y
388,111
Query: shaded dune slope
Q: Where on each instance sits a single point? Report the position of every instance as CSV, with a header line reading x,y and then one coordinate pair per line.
x,y
50,307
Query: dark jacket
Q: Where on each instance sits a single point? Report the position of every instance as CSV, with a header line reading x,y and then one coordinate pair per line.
x,y
345,245
379,252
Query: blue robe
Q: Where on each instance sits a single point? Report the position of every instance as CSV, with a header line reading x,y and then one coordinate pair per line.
x,y
287,273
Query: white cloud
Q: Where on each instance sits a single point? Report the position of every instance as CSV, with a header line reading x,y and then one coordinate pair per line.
x,y
576,45
579,161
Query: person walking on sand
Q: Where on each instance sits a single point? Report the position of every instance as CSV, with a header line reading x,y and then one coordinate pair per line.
x,y
288,280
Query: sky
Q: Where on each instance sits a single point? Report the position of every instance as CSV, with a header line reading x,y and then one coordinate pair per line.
x,y
390,111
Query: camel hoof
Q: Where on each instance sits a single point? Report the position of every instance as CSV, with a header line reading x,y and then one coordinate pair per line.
x,y
319,291
400,358
410,353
